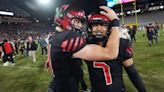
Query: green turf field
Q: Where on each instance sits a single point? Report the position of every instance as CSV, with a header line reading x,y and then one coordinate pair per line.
x,y
26,76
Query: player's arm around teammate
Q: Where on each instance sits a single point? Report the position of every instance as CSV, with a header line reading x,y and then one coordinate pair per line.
x,y
97,53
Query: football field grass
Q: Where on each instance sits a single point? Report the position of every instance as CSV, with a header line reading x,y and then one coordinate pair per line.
x,y
26,76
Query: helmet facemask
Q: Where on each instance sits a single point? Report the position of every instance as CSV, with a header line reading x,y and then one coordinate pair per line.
x,y
100,27
80,26
99,32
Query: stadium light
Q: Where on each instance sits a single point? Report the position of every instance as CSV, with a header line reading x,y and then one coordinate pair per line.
x,y
161,6
128,12
110,3
37,21
6,13
44,2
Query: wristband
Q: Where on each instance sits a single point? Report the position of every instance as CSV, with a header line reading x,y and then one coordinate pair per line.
x,y
115,23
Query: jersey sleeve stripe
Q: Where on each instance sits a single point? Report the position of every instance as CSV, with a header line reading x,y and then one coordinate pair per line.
x,y
129,51
70,45
73,44
64,45
76,43
81,41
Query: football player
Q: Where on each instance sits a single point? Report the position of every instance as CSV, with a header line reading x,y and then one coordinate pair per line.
x,y
150,32
107,76
69,42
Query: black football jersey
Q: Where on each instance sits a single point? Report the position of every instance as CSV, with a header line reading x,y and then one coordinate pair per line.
x,y
107,76
63,45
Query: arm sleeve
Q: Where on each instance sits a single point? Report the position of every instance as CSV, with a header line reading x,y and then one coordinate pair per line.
x,y
135,78
125,49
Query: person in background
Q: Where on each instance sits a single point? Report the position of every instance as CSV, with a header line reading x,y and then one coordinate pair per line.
x,y
132,32
26,50
150,32
22,47
43,45
17,42
31,47
124,32
8,51
156,32
157,28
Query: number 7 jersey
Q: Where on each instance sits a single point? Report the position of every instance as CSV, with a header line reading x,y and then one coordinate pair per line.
x,y
107,76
